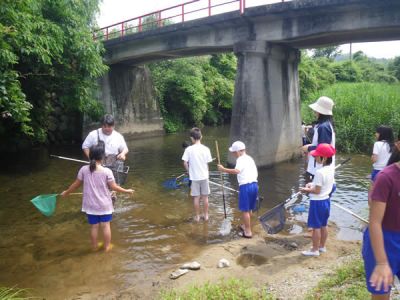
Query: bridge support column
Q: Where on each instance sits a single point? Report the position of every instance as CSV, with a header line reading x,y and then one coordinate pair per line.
x,y
266,105
128,93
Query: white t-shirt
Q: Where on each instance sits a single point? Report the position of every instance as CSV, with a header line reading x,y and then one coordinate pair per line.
x,y
248,169
114,143
381,150
324,177
197,156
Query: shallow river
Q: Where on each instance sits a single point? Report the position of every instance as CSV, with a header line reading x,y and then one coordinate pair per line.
x,y
152,231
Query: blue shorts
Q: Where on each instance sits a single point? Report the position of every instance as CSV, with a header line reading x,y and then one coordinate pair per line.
x,y
392,248
248,196
95,219
374,173
318,213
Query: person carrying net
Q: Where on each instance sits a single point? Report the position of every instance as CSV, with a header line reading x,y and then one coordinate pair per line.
x,y
96,202
247,174
320,190
114,145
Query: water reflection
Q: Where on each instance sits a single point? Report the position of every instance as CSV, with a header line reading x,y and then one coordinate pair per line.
x,y
152,231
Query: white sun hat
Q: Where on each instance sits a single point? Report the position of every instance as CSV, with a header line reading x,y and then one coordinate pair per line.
x,y
323,106
237,146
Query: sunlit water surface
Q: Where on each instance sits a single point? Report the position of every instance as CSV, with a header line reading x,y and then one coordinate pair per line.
x,y
152,231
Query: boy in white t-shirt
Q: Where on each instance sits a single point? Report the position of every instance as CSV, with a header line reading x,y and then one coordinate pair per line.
x,y
247,174
195,160
320,189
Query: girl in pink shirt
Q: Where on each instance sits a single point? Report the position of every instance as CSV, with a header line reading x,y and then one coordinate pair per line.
x,y
96,203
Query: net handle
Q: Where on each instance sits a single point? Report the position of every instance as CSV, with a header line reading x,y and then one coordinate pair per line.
x,y
299,192
222,177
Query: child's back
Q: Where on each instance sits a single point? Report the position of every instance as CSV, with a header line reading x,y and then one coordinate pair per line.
x,y
198,156
96,193
248,169
382,151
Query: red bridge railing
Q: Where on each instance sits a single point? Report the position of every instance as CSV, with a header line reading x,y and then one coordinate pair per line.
x,y
180,13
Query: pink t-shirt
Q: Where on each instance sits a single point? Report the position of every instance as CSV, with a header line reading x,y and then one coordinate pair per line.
x,y
96,194
387,189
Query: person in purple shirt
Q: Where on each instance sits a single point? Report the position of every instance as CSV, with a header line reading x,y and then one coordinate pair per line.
x,y
381,243
96,203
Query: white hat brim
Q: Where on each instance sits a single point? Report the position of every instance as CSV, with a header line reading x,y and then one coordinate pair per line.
x,y
319,109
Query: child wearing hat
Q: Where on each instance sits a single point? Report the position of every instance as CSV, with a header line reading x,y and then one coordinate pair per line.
x,y
320,189
247,174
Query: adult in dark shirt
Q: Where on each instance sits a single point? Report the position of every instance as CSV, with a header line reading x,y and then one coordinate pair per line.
x,y
323,131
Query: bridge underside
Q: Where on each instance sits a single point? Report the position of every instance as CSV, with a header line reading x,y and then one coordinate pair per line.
x,y
266,39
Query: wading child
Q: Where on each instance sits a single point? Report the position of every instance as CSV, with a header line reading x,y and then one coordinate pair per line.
x,y
186,144
195,160
381,243
247,174
320,189
96,202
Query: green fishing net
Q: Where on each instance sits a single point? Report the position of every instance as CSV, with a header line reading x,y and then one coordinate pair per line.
x,y
46,204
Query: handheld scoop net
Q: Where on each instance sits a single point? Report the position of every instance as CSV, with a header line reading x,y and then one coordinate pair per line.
x,y
46,204
274,219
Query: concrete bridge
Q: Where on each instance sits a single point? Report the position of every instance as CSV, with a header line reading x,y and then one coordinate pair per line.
x,y
266,39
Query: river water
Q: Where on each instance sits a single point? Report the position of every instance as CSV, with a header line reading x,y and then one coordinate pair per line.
x,y
152,231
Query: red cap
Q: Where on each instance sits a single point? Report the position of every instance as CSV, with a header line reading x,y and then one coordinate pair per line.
x,y
324,150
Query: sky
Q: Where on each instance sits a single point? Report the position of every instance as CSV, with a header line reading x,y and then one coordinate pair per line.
x,y
114,11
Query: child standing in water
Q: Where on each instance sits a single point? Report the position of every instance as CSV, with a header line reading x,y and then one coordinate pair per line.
x,y
96,202
247,175
382,149
320,189
195,160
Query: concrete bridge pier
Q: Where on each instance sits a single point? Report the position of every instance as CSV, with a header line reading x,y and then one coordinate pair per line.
x,y
128,93
266,104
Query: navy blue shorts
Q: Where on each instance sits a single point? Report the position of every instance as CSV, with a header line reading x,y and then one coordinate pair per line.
x,y
391,240
318,213
374,173
96,219
248,196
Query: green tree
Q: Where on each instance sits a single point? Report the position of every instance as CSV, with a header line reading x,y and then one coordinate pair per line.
x,y
314,75
394,67
328,52
195,91
47,56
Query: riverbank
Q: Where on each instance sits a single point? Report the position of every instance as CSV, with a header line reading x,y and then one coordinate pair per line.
x,y
272,263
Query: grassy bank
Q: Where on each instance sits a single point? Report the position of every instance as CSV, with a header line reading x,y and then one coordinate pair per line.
x,y
359,109
223,289
347,282
12,294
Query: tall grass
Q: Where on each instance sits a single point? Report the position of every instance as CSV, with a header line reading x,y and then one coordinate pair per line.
x,y
223,289
12,294
347,282
359,109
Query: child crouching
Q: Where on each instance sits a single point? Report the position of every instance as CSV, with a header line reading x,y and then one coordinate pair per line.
x,y
320,189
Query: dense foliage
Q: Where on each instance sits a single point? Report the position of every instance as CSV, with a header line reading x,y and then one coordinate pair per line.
x,y
47,56
359,109
195,91
321,70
